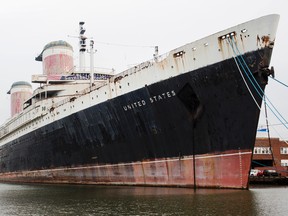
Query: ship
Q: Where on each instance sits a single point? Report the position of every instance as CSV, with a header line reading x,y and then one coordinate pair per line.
x,y
186,118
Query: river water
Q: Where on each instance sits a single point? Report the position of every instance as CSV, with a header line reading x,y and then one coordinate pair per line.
x,y
16,199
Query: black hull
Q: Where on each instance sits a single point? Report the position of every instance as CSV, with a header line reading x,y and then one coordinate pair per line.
x,y
206,111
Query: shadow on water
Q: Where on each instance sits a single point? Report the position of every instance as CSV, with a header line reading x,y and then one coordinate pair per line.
x,y
113,200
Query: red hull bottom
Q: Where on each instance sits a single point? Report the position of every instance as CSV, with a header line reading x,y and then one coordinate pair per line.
x,y
225,170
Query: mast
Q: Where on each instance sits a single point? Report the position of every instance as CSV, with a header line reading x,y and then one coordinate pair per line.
x,y
91,62
156,55
82,46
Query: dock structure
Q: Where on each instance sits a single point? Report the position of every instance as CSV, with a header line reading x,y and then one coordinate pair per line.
x,y
268,180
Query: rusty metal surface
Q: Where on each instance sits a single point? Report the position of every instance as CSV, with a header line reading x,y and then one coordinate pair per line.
x,y
228,170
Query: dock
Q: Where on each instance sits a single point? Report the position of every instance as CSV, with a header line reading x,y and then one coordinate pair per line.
x,y
269,180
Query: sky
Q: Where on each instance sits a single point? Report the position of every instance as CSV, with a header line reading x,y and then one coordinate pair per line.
x,y
27,26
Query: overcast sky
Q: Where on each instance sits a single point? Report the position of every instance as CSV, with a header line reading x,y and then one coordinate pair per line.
x,y
27,26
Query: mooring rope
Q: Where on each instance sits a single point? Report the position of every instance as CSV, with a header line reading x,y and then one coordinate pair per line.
x,y
243,64
279,81
250,92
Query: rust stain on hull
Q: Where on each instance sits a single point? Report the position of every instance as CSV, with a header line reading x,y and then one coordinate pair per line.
x,y
229,170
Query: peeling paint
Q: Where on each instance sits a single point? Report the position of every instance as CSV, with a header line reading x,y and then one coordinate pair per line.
x,y
212,171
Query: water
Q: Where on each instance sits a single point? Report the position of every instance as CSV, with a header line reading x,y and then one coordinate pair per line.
x,y
99,200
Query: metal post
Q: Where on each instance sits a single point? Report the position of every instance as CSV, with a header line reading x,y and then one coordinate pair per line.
x,y
194,159
91,63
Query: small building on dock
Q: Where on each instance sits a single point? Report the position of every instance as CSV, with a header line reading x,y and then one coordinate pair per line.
x,y
271,154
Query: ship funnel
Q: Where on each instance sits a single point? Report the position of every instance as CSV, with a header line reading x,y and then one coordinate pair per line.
x,y
57,58
20,92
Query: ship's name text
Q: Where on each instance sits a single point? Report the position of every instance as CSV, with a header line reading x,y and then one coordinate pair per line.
x,y
152,99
